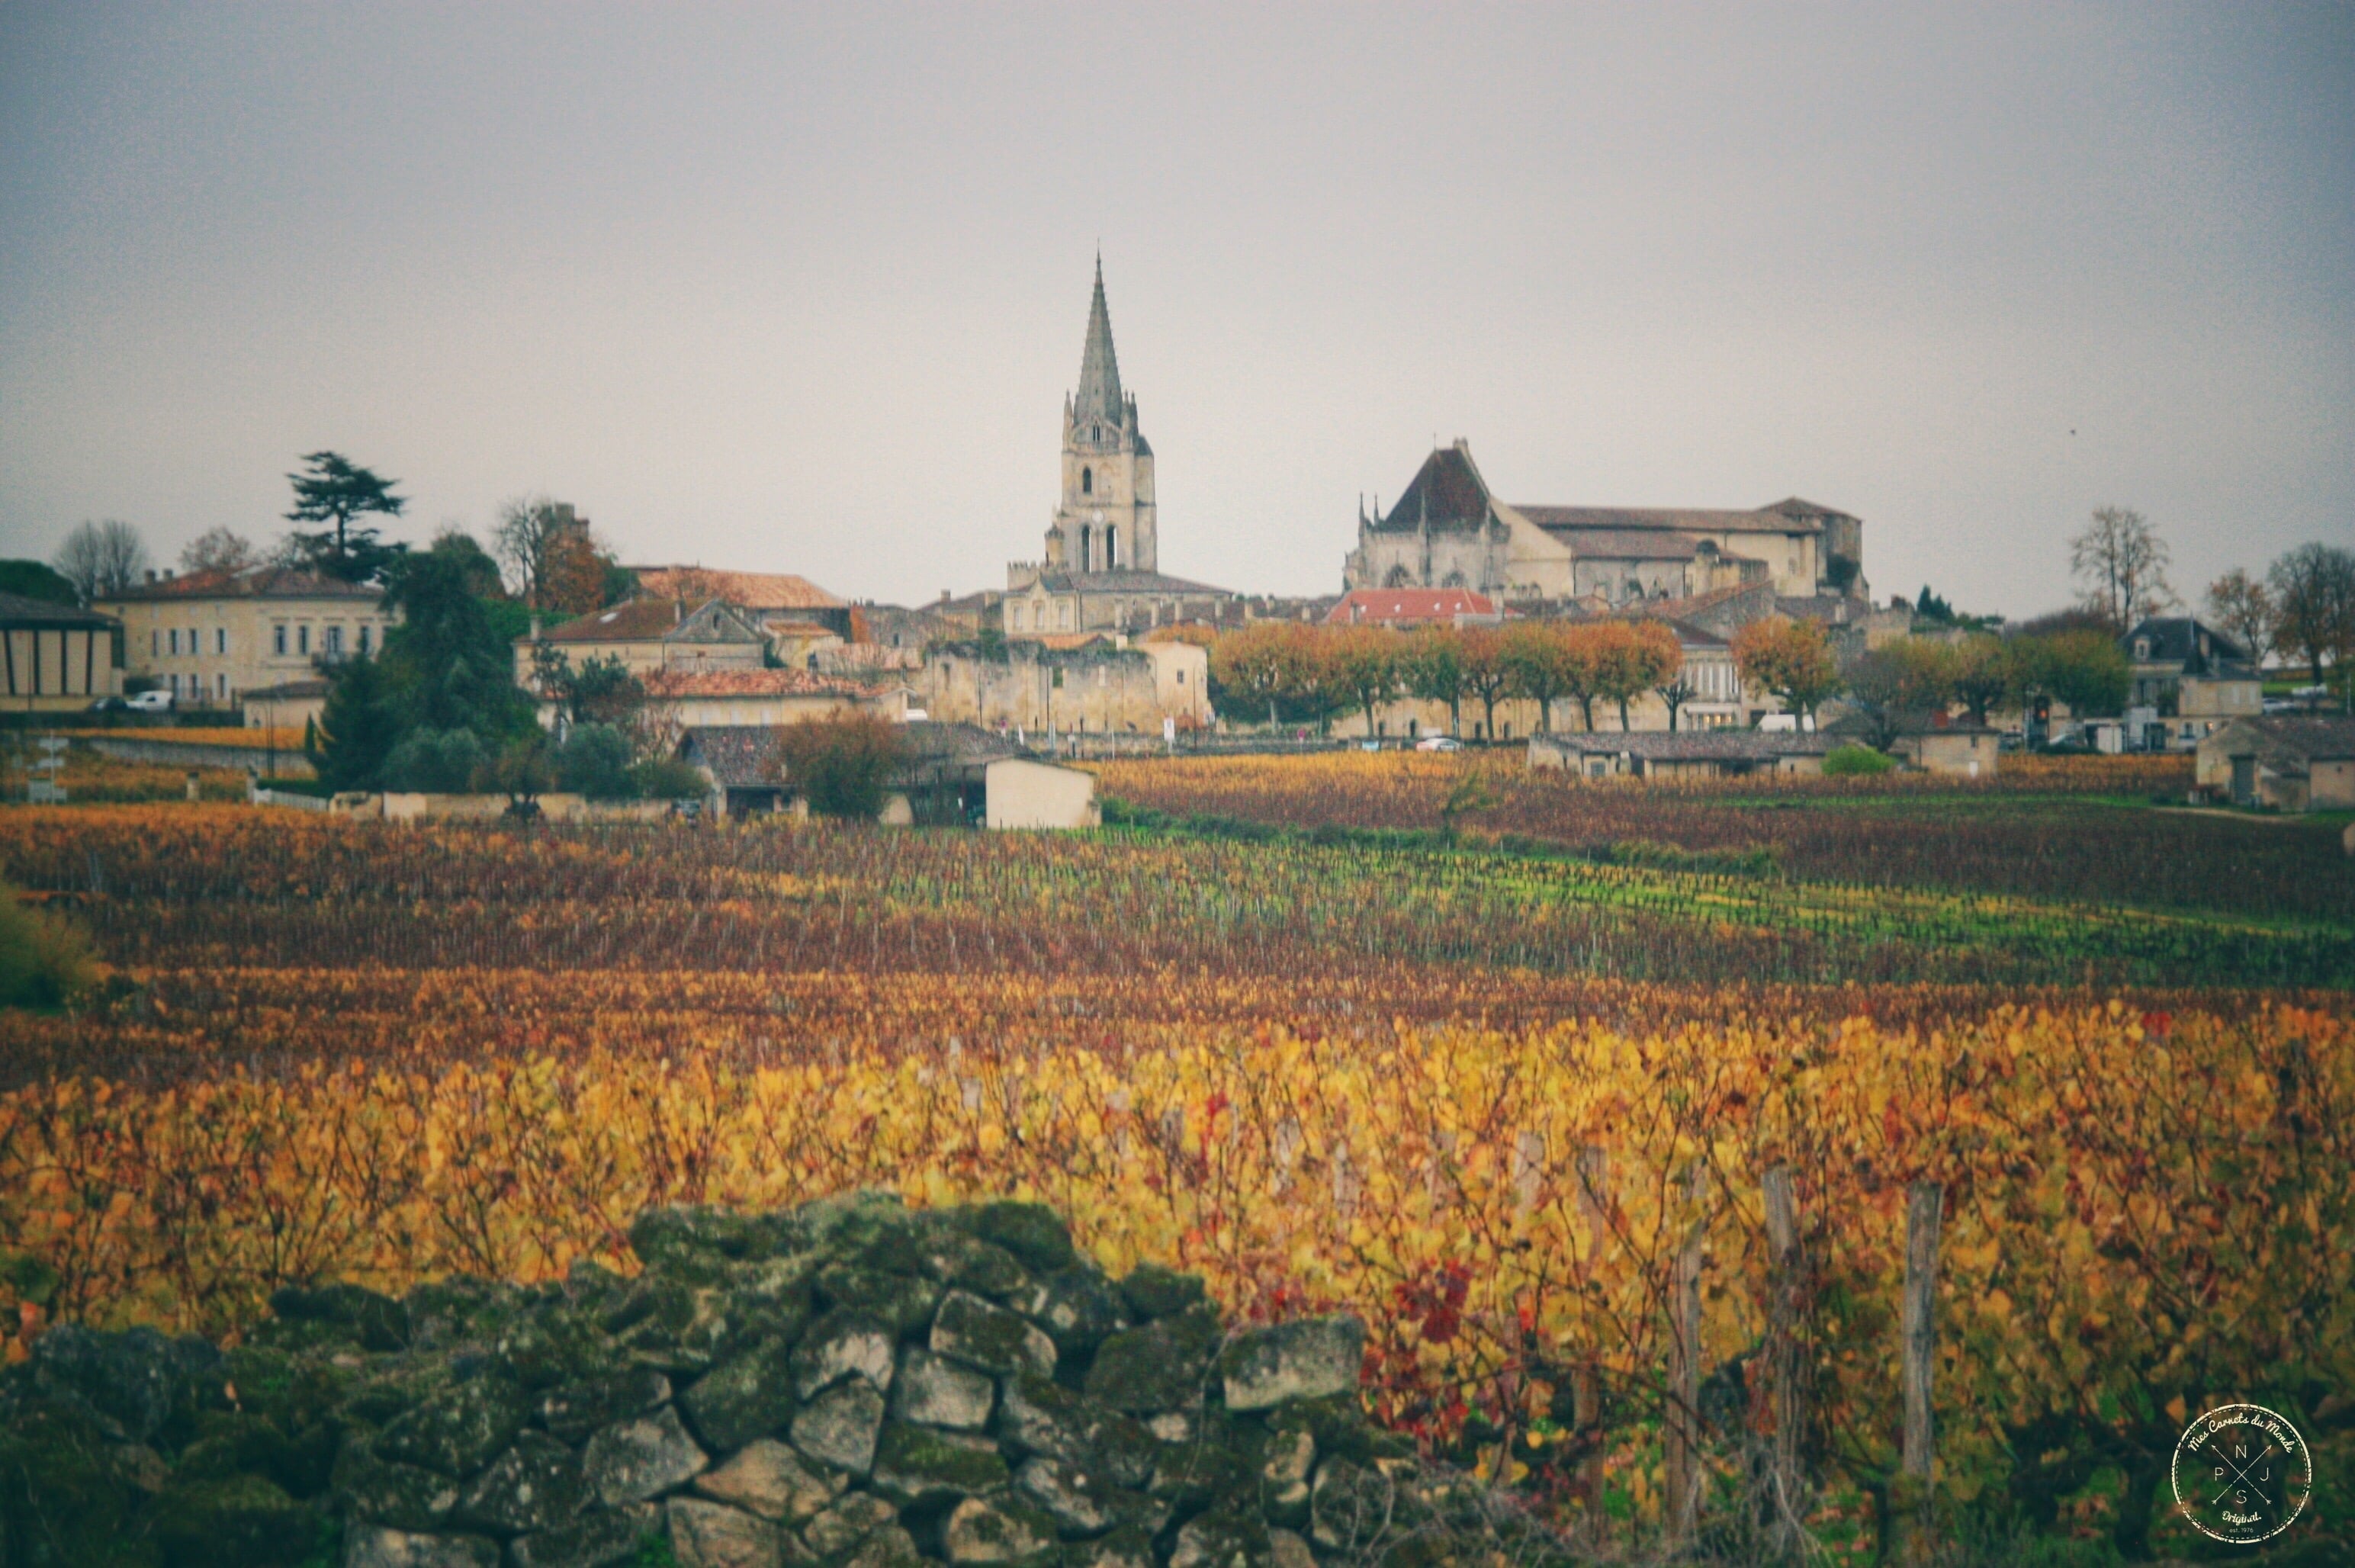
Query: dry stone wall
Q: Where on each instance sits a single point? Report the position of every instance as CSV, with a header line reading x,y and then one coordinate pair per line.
x,y
849,1384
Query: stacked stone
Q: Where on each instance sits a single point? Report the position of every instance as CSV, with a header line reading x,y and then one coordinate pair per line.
x,y
851,1384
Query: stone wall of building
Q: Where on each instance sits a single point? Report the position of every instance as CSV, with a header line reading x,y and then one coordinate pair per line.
x,y
1094,688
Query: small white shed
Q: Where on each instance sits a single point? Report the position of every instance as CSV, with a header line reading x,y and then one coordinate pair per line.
x,y
1026,793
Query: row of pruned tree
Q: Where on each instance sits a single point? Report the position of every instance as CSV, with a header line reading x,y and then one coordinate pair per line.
x,y
1298,673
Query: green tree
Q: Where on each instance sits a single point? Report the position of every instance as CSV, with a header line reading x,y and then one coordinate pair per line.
x,y
1548,663
482,573
357,730
594,760
36,580
2083,668
1982,675
1431,667
44,961
332,489
842,763
1487,670
447,664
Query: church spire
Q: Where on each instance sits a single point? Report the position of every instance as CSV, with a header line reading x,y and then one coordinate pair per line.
x,y
1099,398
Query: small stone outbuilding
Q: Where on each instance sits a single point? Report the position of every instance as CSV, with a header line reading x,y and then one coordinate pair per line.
x,y
2286,763
1680,754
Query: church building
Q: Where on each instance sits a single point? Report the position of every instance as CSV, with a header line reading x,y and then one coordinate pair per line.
x,y
1449,530
1103,566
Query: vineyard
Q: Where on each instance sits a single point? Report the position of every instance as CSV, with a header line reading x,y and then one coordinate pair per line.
x,y
1514,1108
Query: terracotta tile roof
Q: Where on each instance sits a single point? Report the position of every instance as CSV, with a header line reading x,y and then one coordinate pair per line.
x,y
1669,519
1626,544
681,683
1388,606
749,589
638,621
251,582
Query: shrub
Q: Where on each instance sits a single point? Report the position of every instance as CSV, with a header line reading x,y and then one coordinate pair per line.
x,y
44,961
667,778
1853,762
594,760
434,762
841,763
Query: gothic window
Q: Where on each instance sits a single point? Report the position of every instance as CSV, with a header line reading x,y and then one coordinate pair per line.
x,y
1087,548
1112,548
1087,482
1397,577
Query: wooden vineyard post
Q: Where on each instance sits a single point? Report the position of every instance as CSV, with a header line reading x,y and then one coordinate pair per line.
x,y
1786,1374
1586,1377
1684,1367
1910,1510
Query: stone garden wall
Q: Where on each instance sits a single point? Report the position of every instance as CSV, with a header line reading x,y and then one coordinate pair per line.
x,y
850,1384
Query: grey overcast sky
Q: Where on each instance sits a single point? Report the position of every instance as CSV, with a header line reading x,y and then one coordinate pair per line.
x,y
803,289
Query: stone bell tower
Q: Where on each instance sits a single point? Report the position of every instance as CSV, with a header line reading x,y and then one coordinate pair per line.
x,y
1105,521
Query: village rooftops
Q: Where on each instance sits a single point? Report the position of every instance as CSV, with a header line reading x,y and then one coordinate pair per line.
x,y
746,590
1121,580
1406,606
248,582
674,684
1447,494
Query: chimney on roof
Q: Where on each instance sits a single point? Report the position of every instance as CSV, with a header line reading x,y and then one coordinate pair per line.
x,y
151,574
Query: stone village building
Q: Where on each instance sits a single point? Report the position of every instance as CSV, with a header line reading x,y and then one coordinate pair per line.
x,y
211,637
1449,530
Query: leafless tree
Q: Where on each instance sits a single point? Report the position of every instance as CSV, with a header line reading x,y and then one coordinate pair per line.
x,y
2315,587
2121,563
529,534
2244,606
103,559
216,549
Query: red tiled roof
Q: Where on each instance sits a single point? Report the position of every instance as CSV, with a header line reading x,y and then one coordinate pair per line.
x,y
679,683
747,589
1386,606
249,583
639,621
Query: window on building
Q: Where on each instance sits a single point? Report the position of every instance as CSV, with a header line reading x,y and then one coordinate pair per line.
x,y
303,638
334,636
363,639
1111,550
221,639
278,641
1087,482
154,642
175,636
220,685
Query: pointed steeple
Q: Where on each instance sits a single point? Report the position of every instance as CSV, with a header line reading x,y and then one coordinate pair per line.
x,y
1099,398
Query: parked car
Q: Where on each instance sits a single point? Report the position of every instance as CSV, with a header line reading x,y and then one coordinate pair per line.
x,y
1439,743
156,702
109,705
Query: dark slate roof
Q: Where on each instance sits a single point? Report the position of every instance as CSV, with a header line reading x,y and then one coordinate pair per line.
x,y
737,755
2175,639
249,583
1793,506
1692,745
2287,741
1446,493
15,610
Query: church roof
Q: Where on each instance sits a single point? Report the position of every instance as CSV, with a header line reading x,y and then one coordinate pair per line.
x,y
1626,544
1099,398
1671,519
1446,493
